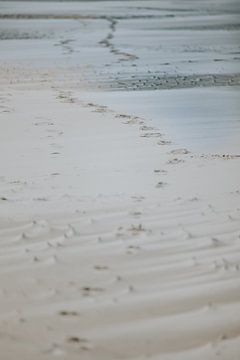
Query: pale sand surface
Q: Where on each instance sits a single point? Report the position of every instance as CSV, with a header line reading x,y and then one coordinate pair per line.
x,y
119,237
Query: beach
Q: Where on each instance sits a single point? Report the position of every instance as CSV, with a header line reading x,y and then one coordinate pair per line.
x,y
120,180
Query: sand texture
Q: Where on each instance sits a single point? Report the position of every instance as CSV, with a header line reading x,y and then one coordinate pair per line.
x,y
119,226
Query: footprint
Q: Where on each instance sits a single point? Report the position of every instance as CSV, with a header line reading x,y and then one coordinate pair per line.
x,y
43,123
164,142
216,242
160,171
151,134
175,161
123,116
135,213
193,199
136,229
100,109
89,291
101,267
76,340
40,199
133,249
147,128
138,198
66,97
68,313
132,120
179,152
161,184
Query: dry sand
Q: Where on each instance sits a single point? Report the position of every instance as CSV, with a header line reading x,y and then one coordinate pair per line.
x,y
116,241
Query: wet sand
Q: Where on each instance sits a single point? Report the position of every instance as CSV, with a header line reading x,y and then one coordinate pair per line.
x,y
119,209
205,120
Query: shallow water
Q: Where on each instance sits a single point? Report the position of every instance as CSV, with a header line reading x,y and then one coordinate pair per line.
x,y
201,119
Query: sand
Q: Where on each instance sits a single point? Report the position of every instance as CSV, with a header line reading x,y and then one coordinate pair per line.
x,y
119,235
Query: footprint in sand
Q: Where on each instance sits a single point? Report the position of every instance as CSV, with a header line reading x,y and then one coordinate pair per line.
x,y
101,267
48,261
131,120
6,109
120,234
193,199
91,291
66,97
82,342
161,184
160,171
43,123
131,289
179,152
70,232
237,192
137,229
40,199
123,116
138,198
100,109
216,242
226,156
147,128
76,339
135,213
152,135
133,249
175,161
90,105
68,313
164,142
